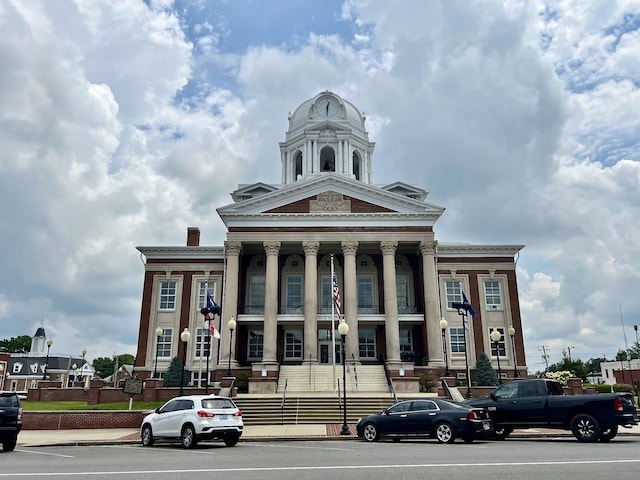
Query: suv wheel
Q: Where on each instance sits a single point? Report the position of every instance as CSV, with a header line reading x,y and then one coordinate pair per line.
x,y
231,439
147,436
188,437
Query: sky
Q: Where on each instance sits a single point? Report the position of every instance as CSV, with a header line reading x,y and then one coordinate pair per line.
x,y
123,123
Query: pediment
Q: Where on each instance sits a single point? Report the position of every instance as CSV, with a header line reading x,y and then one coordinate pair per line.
x,y
407,190
331,194
245,192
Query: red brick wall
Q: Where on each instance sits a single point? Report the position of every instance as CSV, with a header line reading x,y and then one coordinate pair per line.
x,y
84,419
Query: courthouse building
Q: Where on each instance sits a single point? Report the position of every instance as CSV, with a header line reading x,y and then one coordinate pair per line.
x,y
273,275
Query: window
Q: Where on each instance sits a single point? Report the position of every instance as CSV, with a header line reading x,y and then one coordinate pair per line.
x,y
501,344
202,293
256,294
456,339
454,292
163,343
492,296
294,289
293,344
402,288
255,344
203,343
168,295
367,343
406,341
365,294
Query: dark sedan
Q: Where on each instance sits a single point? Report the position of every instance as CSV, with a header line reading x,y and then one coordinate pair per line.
x,y
429,417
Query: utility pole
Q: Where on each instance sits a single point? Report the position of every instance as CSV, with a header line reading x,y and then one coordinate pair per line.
x,y
545,356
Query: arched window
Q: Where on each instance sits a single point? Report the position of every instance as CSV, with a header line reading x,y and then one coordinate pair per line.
x,y
356,165
298,165
327,159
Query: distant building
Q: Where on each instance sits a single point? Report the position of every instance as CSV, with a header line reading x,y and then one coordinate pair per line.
x,y
26,370
624,371
273,276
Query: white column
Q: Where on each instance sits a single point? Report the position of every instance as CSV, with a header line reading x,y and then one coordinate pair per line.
x,y
392,328
310,301
272,249
230,298
431,307
349,250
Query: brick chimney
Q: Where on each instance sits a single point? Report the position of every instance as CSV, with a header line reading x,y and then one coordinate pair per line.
x,y
193,237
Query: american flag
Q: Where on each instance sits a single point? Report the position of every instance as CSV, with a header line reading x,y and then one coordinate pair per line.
x,y
336,295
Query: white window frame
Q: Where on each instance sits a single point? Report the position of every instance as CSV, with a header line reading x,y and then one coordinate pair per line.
x,y
406,340
502,343
294,301
453,292
366,299
456,340
255,345
256,295
200,344
293,344
367,343
403,293
168,293
166,341
493,295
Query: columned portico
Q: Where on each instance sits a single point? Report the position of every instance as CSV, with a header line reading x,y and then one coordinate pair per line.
x,y
272,249
392,331
311,301
349,250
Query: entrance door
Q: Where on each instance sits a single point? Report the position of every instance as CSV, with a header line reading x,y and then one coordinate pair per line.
x,y
324,349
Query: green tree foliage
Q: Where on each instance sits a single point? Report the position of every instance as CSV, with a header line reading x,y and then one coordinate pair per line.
x,y
173,375
576,367
593,364
126,359
103,366
485,374
20,344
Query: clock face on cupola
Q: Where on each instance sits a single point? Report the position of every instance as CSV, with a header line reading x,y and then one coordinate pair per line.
x,y
327,107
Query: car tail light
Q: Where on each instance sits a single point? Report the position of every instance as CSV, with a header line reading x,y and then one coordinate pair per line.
x,y
204,414
20,413
473,415
617,405
237,414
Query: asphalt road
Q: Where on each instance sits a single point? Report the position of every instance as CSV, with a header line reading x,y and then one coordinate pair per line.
x,y
524,459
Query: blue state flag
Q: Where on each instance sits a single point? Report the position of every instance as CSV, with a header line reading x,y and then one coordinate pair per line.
x,y
467,302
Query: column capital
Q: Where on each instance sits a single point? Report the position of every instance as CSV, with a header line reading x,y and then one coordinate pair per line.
x,y
349,248
233,248
388,247
428,247
271,247
311,248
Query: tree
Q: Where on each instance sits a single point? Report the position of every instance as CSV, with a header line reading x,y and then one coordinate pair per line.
x,y
173,375
593,364
20,344
126,359
485,374
576,367
103,366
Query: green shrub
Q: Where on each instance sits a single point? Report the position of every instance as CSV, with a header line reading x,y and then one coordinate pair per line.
x,y
242,382
485,374
428,380
623,388
603,388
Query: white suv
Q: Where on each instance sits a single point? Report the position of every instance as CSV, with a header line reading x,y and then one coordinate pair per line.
x,y
192,418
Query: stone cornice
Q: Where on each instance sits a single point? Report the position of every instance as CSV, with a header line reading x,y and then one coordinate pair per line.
x,y
470,250
188,253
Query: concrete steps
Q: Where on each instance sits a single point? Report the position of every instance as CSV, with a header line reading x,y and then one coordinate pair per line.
x,y
326,378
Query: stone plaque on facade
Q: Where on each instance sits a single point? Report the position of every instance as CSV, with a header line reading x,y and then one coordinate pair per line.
x,y
330,202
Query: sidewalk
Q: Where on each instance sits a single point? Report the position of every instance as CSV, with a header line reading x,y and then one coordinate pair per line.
x,y
31,438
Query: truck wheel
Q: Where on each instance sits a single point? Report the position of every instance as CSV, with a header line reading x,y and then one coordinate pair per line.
x,y
609,433
585,428
500,433
9,444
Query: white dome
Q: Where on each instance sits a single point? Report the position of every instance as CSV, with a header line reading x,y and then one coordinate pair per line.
x,y
347,114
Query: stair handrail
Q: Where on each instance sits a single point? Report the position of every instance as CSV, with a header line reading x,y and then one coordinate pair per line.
x,y
355,373
284,399
310,371
389,381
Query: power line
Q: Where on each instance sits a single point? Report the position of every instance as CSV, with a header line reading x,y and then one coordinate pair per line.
x,y
545,356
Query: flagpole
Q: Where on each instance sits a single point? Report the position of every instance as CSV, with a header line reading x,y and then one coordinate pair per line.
x,y
333,316
465,326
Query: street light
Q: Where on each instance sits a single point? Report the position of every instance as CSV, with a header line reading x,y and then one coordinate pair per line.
x,y
232,327
46,366
84,352
184,336
343,329
496,336
512,333
159,333
74,367
443,326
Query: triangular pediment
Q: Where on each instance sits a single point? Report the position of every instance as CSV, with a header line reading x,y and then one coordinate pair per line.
x,y
407,190
245,192
329,195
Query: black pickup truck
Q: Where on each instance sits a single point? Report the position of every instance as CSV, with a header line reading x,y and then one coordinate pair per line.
x,y
10,420
541,403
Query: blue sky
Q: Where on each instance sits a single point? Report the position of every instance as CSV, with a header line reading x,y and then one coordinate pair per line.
x,y
124,123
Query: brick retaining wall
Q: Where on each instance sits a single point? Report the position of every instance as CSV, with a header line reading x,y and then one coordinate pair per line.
x,y
82,419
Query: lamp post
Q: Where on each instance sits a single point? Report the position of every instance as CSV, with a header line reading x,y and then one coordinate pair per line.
x,y
159,333
46,365
184,336
84,352
232,327
443,326
496,336
343,329
512,333
74,367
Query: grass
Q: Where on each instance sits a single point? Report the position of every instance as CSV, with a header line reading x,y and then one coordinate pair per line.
x,y
28,406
